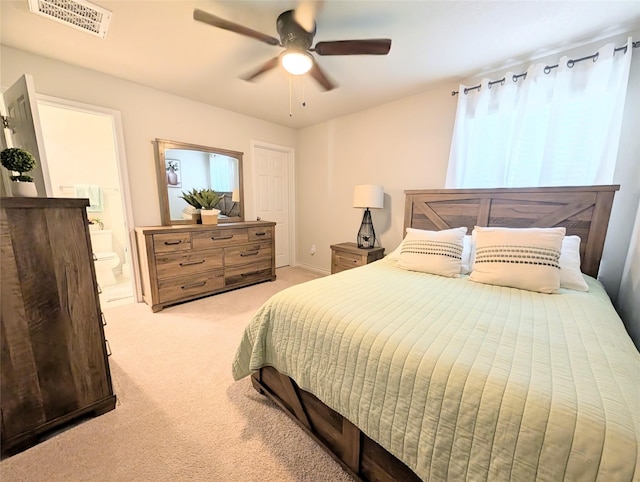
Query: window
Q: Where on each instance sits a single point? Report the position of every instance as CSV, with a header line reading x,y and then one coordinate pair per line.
x,y
556,126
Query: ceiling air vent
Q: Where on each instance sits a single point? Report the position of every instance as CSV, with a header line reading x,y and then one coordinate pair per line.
x,y
80,14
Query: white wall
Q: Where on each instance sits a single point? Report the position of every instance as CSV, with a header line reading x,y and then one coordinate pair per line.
x,y
628,302
399,145
147,114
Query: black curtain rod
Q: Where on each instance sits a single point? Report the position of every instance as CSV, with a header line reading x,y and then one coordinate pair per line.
x,y
547,69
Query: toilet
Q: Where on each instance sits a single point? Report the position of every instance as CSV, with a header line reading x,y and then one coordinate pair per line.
x,y
105,258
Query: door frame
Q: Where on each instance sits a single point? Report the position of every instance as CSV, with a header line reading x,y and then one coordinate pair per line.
x,y
290,151
123,173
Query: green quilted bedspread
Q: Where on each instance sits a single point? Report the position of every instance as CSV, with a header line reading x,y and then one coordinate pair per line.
x,y
461,380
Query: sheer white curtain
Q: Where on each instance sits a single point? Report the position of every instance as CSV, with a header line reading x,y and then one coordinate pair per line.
x,y
222,169
554,127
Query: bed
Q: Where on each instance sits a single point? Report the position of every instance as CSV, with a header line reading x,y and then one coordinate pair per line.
x,y
405,375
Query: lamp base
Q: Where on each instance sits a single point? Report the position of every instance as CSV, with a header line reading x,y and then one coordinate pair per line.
x,y
366,234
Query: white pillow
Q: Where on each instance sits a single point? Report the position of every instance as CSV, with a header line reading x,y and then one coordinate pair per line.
x,y
435,252
570,275
467,250
525,258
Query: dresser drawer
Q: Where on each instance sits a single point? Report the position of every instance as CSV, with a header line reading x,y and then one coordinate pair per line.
x,y
181,264
258,234
177,288
259,271
219,237
247,253
171,242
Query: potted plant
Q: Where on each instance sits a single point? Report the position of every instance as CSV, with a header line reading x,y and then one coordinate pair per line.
x,y
18,160
208,200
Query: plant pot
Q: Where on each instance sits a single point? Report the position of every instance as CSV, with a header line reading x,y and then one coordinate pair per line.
x,y
23,189
209,216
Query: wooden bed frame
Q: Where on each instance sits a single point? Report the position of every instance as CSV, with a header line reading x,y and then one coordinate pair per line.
x,y
583,211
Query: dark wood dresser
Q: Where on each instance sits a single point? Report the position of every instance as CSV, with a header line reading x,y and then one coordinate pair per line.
x,y
184,262
53,362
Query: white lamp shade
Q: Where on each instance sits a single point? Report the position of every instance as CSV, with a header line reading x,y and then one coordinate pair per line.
x,y
368,196
296,62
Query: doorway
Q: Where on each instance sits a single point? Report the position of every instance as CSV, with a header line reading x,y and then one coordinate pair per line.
x,y
84,155
273,177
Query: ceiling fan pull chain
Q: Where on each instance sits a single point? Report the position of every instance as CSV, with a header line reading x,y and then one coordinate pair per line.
x,y
304,102
290,114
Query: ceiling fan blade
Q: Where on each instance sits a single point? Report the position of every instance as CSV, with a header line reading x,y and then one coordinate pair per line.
x,y
268,65
205,17
317,73
373,46
306,12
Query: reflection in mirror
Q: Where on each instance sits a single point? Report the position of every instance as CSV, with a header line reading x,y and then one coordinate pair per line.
x,y
182,168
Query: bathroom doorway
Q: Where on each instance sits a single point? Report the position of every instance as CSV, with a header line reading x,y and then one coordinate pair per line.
x,y
85,158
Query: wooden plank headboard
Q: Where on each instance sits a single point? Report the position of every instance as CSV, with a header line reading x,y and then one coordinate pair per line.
x,y
582,210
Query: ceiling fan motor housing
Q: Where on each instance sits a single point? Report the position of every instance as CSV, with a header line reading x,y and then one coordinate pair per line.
x,y
298,42
292,35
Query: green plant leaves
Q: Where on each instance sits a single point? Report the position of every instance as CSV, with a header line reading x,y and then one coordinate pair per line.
x,y
203,198
18,160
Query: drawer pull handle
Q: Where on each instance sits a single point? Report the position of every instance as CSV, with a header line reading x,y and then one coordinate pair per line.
x,y
249,253
172,243
191,263
249,273
261,234
347,260
194,285
214,238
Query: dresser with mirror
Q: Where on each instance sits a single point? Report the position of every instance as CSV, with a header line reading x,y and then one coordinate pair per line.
x,y
183,260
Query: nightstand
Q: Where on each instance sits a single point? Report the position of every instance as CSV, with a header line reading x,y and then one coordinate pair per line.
x,y
347,255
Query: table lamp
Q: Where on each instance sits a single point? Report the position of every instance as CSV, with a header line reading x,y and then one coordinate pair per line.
x,y
367,196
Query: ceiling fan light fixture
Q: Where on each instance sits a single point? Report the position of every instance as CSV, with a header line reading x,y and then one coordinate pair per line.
x,y
296,62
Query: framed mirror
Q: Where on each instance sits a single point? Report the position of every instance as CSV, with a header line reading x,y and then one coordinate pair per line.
x,y
182,167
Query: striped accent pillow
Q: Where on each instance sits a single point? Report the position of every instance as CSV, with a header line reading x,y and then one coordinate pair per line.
x,y
435,252
527,258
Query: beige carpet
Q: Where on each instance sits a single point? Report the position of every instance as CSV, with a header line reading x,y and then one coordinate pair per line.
x,y
180,416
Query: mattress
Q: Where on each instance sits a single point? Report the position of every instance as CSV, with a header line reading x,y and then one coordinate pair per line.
x,y
461,380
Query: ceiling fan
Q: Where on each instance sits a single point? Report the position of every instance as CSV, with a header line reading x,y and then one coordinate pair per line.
x,y
297,29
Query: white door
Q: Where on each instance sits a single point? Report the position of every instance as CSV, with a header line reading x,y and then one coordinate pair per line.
x,y
272,166
24,128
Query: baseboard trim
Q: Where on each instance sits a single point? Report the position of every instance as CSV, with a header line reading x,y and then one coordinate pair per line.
x,y
315,269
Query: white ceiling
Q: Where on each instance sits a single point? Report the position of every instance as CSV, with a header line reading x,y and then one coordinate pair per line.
x,y
158,44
